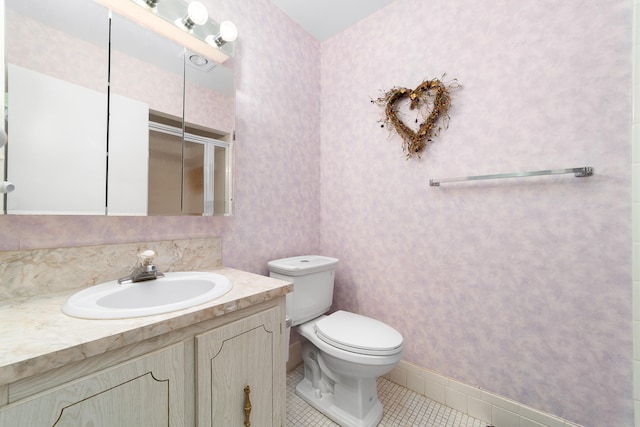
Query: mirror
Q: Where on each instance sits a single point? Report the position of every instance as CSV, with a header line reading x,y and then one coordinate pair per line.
x,y
56,107
137,127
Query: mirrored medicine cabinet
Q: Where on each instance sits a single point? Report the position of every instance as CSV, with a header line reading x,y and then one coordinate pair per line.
x,y
104,116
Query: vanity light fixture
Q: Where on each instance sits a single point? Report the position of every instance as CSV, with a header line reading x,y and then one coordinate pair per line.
x,y
186,23
228,33
196,15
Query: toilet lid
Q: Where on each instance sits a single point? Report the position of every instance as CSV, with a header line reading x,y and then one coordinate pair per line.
x,y
358,334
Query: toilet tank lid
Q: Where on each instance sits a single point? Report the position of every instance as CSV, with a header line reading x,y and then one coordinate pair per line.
x,y
300,265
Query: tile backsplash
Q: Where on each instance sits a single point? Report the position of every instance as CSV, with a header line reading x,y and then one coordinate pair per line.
x,y
26,273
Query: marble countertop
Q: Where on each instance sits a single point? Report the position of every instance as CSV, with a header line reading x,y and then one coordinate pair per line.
x,y
36,336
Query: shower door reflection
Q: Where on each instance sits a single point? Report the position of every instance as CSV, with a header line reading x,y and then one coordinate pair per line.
x,y
188,173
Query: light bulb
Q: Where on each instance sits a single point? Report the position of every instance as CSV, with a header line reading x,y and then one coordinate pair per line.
x,y
197,13
228,31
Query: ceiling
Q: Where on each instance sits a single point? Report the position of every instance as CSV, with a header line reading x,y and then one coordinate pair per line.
x,y
325,18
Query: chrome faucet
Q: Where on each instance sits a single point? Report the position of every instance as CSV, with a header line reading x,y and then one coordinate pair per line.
x,y
145,271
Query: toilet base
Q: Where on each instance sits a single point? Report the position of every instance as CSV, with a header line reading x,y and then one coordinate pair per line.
x,y
323,402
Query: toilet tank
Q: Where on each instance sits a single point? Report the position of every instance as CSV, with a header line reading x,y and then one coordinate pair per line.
x,y
312,277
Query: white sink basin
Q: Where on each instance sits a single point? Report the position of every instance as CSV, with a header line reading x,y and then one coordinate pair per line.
x,y
174,291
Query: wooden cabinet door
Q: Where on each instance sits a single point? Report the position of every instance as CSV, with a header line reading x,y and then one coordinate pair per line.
x,y
243,353
147,391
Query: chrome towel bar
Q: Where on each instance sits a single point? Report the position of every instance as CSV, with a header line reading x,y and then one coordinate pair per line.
x,y
578,172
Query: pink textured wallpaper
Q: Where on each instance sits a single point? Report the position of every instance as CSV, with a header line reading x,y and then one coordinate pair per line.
x,y
521,287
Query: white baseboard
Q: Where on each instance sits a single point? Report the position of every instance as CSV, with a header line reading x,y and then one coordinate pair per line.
x,y
473,401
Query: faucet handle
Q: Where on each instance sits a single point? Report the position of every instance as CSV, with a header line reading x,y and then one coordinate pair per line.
x,y
146,257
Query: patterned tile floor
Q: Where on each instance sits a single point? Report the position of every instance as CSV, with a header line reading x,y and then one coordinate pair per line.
x,y
402,408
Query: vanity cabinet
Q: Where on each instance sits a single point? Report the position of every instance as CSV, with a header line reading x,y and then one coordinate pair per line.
x,y
192,376
146,391
237,368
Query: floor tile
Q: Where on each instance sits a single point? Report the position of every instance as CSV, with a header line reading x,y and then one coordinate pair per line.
x,y
402,408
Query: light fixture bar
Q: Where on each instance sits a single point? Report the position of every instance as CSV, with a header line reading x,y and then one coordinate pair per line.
x,y
155,23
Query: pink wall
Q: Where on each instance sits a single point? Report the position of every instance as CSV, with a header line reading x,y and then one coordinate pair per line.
x,y
523,287
520,287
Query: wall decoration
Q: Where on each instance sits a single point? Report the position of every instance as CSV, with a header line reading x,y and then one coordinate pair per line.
x,y
432,99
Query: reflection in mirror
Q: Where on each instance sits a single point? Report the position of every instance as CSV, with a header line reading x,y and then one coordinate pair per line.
x,y
209,116
146,73
64,66
205,187
56,64
165,168
207,179
150,79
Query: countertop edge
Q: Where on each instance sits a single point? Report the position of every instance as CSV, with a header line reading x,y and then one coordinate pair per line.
x,y
54,339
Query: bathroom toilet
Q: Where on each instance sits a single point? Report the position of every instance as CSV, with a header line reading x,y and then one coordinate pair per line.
x,y
343,352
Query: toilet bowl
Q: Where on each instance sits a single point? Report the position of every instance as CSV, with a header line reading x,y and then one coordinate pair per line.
x,y
340,376
343,352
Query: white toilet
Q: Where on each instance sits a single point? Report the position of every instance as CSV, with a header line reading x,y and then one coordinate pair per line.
x,y
343,352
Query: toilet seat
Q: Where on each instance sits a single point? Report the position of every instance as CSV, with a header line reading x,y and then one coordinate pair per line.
x,y
358,334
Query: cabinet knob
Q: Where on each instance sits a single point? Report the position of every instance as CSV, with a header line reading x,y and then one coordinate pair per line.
x,y
247,407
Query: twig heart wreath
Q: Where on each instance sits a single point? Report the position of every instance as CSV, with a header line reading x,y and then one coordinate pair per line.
x,y
430,93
